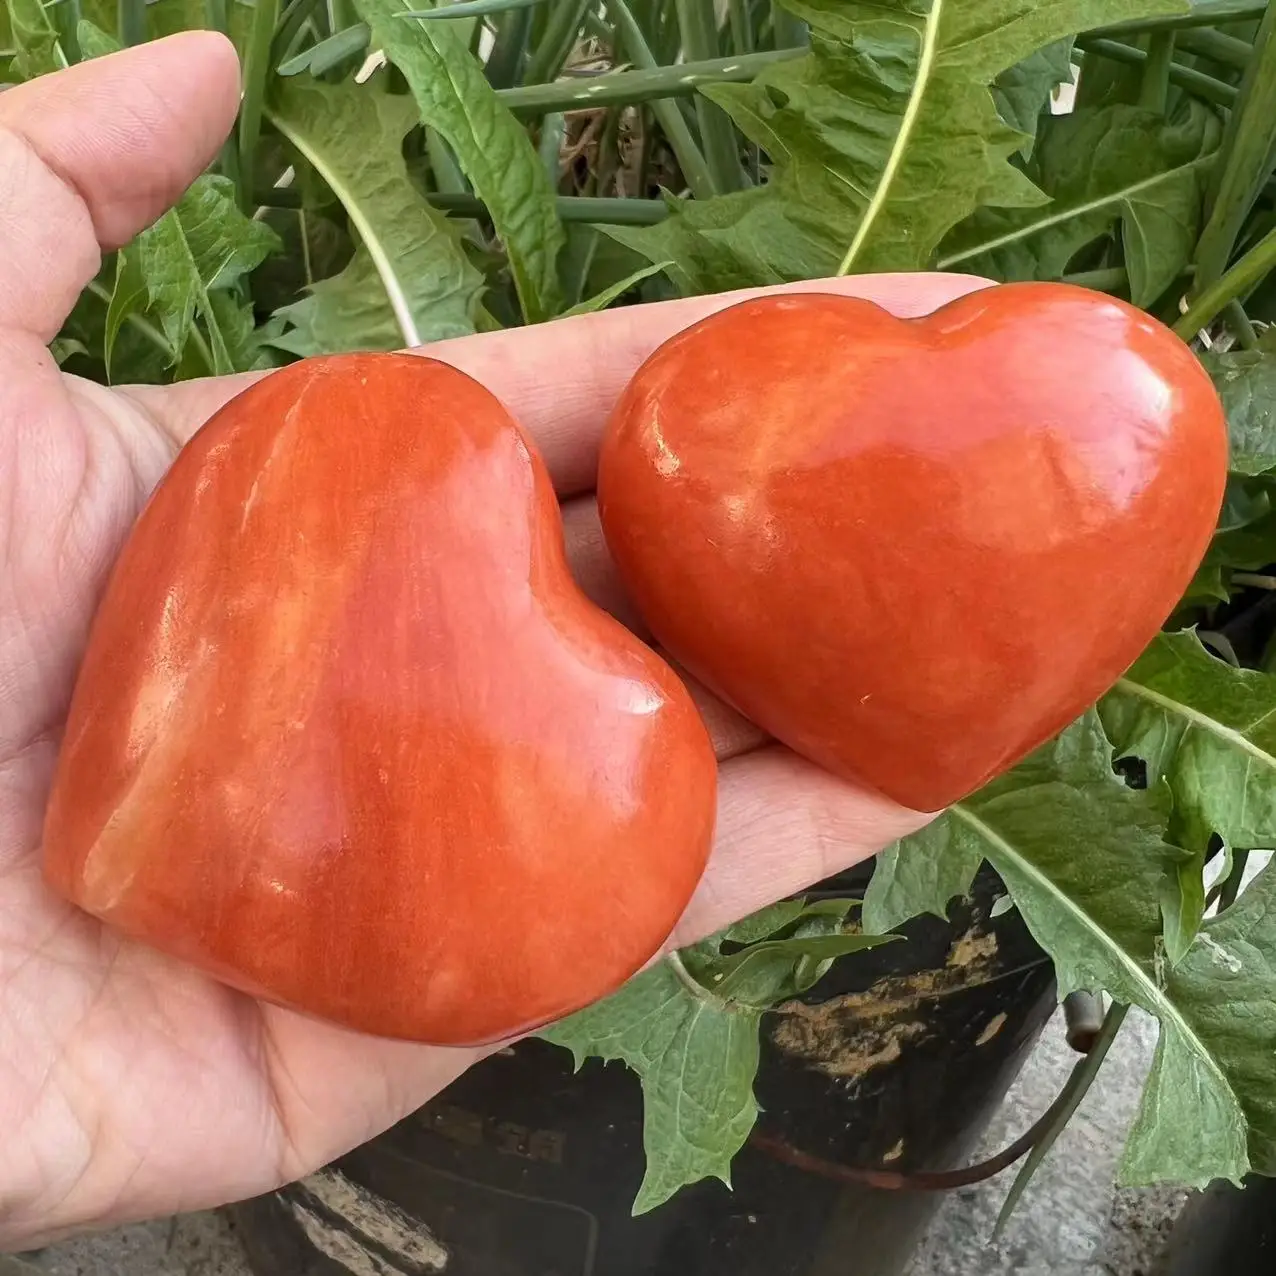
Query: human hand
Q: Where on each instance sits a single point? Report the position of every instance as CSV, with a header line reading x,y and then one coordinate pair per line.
x,y
132,1085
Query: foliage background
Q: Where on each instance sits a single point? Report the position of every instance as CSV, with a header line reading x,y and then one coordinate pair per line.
x,y
398,176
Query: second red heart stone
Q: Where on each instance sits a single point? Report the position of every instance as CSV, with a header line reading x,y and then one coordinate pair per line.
x,y
913,550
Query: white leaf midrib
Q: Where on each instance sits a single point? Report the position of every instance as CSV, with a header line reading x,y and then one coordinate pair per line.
x,y
925,65
394,290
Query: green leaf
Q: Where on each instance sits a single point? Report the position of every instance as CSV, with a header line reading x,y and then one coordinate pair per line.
x,y
922,873
1119,165
882,138
245,347
34,39
1246,384
1082,855
696,1057
1206,729
1022,92
94,42
410,282
1222,993
127,298
202,244
603,299
493,149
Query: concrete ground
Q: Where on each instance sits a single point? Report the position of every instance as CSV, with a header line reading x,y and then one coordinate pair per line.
x,y
1071,1222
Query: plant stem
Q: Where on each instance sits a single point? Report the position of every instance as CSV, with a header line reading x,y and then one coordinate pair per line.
x,y
1074,1090
717,133
789,32
1209,13
1254,580
556,45
506,59
1202,85
66,19
1228,50
691,159
571,208
1154,88
553,129
1232,885
131,20
639,86
258,68
143,326
741,26
1235,283
1239,322
1244,160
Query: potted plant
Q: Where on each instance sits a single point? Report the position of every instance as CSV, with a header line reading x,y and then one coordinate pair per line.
x,y
659,147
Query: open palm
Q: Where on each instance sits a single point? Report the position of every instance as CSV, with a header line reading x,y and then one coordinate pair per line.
x,y
131,1085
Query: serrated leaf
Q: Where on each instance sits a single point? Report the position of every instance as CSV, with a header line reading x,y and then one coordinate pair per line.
x,y
34,39
490,145
919,874
202,244
1209,731
1115,166
696,1058
1222,991
1023,91
882,138
410,281
1246,385
1082,855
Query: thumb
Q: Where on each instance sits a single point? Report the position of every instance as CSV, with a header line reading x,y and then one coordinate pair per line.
x,y
91,155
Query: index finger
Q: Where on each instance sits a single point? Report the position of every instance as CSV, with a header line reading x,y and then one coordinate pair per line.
x,y
561,378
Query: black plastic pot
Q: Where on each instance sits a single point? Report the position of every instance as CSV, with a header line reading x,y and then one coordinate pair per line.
x,y
896,1060
1225,1231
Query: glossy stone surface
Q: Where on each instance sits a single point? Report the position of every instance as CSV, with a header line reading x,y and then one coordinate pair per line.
x,y
348,736
913,550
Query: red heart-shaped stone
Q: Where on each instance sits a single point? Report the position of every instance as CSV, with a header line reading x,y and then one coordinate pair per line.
x,y
913,550
348,736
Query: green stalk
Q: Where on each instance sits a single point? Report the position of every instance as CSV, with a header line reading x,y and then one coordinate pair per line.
x,y
1243,276
1244,161
717,133
1075,1089
295,16
342,15
258,68
131,19
571,208
1227,50
322,57
789,31
1239,322
553,130
695,168
65,16
741,26
1209,13
217,15
506,59
1154,88
1202,85
560,35
628,87
1108,279
470,8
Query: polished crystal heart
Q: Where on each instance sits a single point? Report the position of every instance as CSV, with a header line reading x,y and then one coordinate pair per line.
x,y
348,737
913,550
